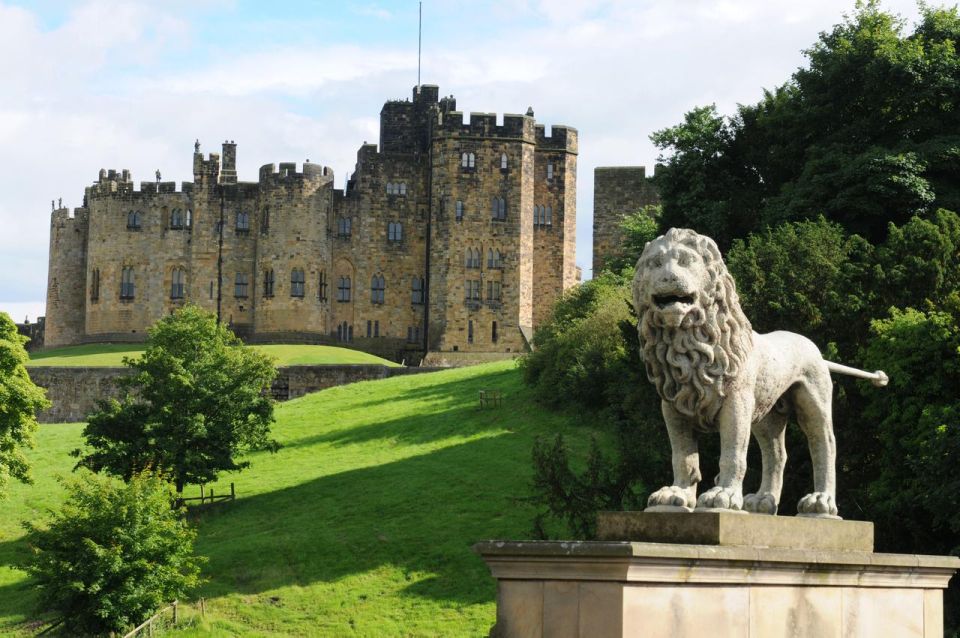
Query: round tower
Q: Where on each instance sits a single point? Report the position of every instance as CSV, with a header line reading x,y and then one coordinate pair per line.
x,y
66,278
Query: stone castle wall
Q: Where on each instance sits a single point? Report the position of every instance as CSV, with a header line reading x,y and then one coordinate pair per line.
x,y
617,191
74,391
395,223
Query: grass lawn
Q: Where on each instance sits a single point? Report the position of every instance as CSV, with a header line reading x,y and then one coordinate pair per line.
x,y
361,524
112,354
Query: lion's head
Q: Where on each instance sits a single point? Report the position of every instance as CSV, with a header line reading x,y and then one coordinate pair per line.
x,y
694,335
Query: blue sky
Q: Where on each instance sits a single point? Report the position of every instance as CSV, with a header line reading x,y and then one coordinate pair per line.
x,y
107,84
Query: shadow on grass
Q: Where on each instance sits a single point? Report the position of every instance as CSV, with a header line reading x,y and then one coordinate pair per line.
x,y
420,514
17,598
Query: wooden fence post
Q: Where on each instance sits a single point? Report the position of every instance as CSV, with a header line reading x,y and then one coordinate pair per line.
x,y
233,493
175,615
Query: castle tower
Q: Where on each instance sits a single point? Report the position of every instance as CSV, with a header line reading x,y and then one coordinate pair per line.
x,y
617,191
66,277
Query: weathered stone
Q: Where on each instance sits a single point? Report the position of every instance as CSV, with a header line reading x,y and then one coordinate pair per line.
x,y
294,220
731,528
618,191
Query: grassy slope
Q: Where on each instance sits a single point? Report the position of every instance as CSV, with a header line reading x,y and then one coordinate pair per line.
x,y
112,354
362,523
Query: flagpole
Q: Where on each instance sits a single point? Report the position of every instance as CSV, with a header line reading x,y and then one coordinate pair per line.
x,y
419,39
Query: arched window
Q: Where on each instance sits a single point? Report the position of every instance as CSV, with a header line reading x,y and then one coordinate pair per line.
x,y
339,332
394,231
464,160
499,209
377,286
343,227
497,259
472,160
177,281
503,161
133,220
343,289
549,218
265,220
268,279
95,285
189,218
296,282
127,286
459,210
176,219
389,188
416,294
490,258
241,285
403,188
243,222
322,286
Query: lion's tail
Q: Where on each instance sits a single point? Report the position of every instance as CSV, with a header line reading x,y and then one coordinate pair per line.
x,y
878,378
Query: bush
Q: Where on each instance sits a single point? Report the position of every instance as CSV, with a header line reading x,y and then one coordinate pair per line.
x,y
113,555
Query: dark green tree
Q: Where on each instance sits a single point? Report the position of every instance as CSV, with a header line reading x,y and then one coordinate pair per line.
x,y
865,134
636,230
114,554
196,400
20,400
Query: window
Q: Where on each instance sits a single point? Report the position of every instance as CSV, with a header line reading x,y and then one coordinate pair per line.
x,y
176,219
344,332
243,223
396,189
459,210
343,289
549,220
498,209
394,231
211,290
503,161
268,279
493,333
133,220
416,290
369,328
389,188
403,188
240,285
377,287
493,291
543,216
322,286
95,285
549,170
296,282
468,160
343,227
474,258
127,286
470,331
494,259
376,328
189,218
177,283
265,221
473,290
413,334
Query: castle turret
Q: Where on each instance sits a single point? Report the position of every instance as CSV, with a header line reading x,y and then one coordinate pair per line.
x,y
617,191
66,278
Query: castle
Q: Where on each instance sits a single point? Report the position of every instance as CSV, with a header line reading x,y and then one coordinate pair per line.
x,y
451,235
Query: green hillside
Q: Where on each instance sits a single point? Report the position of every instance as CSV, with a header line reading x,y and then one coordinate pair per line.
x,y
361,524
112,354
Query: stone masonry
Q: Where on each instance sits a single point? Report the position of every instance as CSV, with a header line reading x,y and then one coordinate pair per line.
x,y
617,191
454,234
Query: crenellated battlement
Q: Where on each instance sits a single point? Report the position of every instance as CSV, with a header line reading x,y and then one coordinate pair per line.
x,y
562,138
67,215
288,171
485,125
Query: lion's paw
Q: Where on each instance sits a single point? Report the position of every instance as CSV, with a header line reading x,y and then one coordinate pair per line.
x,y
724,498
817,504
765,503
673,496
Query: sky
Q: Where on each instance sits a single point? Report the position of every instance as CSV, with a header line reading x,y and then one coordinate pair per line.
x,y
109,84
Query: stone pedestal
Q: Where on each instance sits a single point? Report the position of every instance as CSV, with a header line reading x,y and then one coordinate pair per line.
x,y
724,586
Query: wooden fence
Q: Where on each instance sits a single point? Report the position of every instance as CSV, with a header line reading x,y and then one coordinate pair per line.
x,y
147,627
208,498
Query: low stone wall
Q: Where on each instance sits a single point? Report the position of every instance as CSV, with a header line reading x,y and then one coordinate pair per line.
x,y
74,392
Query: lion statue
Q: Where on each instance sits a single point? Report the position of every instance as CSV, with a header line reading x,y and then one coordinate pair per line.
x,y
714,373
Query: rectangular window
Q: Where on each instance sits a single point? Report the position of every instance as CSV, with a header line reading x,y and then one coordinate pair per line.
x,y
240,285
322,287
265,221
549,170
416,296
493,291
268,280
394,231
376,328
459,210
493,335
343,289
176,284
470,331
369,328
473,290
296,283
95,285
127,287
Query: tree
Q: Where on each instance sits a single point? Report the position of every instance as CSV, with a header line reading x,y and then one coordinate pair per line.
x,y
197,399
20,400
865,135
113,555
636,230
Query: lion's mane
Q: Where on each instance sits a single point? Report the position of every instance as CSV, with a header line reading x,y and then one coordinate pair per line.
x,y
692,365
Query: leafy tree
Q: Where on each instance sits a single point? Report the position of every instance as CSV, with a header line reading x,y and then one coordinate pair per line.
x,y
865,134
195,401
113,555
20,400
637,229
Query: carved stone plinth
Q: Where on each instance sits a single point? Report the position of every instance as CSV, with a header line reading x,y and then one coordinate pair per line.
x,y
611,589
